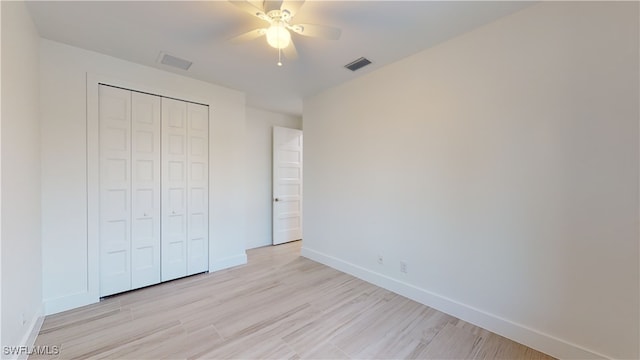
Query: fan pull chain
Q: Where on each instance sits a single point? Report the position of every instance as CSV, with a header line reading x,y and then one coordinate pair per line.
x,y
279,57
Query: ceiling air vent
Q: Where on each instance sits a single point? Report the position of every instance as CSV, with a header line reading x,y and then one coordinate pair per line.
x,y
357,64
173,61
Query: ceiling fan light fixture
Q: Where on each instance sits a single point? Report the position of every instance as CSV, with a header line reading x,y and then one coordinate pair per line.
x,y
278,36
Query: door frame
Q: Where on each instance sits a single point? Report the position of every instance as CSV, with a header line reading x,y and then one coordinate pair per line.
x,y
93,81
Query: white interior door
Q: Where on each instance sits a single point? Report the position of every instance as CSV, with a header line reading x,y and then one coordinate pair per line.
x,y
145,222
174,193
287,185
115,190
198,185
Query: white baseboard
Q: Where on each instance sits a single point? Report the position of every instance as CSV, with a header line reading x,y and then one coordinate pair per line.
x,y
29,338
517,332
225,263
53,306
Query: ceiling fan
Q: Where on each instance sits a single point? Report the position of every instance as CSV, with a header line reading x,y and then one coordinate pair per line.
x,y
279,15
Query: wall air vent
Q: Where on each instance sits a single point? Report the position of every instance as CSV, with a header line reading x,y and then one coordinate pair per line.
x,y
174,61
357,64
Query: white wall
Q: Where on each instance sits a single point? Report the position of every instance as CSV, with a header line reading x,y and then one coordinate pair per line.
x,y
64,164
20,149
502,166
260,125
1,342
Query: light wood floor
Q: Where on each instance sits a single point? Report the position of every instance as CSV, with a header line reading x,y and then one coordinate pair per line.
x,y
279,305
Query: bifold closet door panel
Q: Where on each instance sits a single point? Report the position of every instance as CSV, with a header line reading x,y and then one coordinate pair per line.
x,y
198,185
115,190
174,189
154,166
145,226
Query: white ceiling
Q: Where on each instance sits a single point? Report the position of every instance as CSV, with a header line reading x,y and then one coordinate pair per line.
x,y
382,31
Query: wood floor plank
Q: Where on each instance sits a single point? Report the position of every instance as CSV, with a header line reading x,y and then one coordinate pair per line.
x,y
453,343
85,330
498,347
277,306
149,346
77,316
325,350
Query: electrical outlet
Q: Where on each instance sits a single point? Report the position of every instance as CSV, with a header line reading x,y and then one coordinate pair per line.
x,y
380,260
403,267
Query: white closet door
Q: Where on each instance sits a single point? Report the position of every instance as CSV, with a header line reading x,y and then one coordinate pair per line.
x,y
115,190
145,226
174,192
197,182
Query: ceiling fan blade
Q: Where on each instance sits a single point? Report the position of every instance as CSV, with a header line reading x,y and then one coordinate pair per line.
x,y
290,52
248,7
319,31
248,36
271,5
292,6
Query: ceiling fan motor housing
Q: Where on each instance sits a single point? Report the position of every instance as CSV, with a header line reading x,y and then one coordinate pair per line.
x,y
282,15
